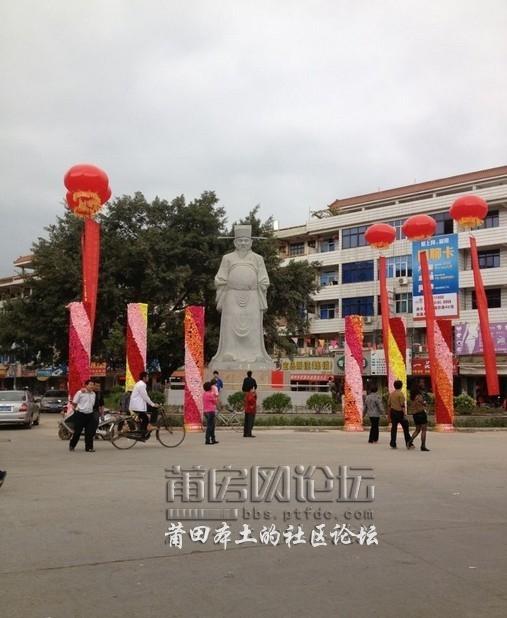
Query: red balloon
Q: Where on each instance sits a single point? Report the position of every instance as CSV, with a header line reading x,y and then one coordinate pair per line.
x,y
469,210
419,227
85,177
70,200
380,235
105,195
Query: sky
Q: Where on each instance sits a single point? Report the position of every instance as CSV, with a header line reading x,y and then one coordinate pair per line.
x,y
286,104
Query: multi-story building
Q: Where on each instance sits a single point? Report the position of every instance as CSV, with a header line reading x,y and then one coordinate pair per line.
x,y
348,279
16,286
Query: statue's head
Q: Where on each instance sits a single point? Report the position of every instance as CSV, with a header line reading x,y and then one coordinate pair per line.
x,y
243,238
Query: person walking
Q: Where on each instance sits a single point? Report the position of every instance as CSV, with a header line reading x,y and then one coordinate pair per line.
x,y
374,409
210,400
3,474
83,403
250,405
417,408
396,408
139,400
249,383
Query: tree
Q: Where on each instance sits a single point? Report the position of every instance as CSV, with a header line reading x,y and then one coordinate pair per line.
x,y
163,253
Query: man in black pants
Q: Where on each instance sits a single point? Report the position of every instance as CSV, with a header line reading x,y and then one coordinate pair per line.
x,y
83,403
396,406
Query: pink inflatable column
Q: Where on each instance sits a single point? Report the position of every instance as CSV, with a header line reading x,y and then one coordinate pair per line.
x,y
353,411
194,367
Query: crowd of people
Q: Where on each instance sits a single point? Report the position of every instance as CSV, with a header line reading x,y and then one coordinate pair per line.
x,y
88,406
397,410
211,402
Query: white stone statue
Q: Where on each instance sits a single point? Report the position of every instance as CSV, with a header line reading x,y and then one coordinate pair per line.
x,y
242,282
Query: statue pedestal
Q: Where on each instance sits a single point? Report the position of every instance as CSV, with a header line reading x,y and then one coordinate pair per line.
x,y
238,366
233,378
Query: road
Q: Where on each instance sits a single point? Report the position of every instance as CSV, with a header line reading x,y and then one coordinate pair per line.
x,y
82,534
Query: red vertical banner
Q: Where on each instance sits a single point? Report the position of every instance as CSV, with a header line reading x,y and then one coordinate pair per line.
x,y
90,249
79,347
194,367
353,400
439,335
488,348
384,310
429,311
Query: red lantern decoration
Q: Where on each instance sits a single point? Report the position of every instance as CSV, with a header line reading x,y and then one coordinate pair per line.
x,y
380,235
469,210
419,227
88,188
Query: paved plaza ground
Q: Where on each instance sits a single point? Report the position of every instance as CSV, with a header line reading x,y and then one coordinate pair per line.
x,y
82,534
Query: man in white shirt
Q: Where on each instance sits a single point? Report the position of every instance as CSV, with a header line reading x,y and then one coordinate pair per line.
x,y
139,400
83,417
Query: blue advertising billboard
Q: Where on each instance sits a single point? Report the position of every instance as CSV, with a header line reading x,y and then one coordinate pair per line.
x,y
444,274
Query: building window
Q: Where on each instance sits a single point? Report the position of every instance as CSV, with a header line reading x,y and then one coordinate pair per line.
x,y
360,305
397,224
354,237
493,295
327,245
399,266
328,277
492,219
489,259
327,311
297,248
445,223
403,302
353,272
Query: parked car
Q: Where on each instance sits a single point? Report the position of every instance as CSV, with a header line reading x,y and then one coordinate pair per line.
x,y
53,401
18,408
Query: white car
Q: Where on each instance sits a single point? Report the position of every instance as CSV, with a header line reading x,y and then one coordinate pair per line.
x,y
18,408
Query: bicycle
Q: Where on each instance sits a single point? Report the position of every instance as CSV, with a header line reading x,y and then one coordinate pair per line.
x,y
126,431
231,418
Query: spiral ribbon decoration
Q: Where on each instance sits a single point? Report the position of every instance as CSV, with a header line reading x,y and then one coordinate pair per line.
x,y
353,406
137,329
194,367
80,342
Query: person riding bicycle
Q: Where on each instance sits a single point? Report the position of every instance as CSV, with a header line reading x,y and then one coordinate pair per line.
x,y
139,400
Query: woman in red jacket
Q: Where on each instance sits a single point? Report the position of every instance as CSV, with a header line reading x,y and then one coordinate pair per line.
x,y
250,410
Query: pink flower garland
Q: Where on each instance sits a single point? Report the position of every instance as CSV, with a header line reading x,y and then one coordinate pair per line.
x,y
353,411
80,340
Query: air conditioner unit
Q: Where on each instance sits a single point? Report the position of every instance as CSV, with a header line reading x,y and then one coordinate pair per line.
x,y
368,319
403,281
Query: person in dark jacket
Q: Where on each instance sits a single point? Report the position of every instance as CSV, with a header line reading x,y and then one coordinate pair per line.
x,y
249,383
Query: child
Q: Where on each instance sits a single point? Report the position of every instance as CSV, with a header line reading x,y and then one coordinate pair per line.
x,y
209,400
250,410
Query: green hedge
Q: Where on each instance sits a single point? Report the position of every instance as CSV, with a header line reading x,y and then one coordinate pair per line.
x,y
320,402
277,404
236,401
298,421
